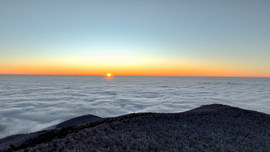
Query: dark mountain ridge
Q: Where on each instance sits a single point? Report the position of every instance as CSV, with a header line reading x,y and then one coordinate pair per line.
x,y
207,128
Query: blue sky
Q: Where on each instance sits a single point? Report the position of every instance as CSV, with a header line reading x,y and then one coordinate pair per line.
x,y
233,35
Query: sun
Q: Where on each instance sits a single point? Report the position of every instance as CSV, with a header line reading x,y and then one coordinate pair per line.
x,y
109,75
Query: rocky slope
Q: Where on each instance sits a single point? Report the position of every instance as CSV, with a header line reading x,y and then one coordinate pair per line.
x,y
207,128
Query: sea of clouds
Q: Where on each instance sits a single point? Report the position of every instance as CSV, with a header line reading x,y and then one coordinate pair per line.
x,y
31,103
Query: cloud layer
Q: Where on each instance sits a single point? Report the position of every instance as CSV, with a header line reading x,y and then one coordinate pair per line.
x,y
32,103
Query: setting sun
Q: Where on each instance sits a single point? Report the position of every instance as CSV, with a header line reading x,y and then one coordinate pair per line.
x,y
109,75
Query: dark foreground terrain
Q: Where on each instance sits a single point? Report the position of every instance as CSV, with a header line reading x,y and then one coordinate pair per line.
x,y
207,128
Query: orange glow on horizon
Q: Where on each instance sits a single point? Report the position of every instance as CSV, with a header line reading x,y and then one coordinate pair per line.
x,y
138,72
52,68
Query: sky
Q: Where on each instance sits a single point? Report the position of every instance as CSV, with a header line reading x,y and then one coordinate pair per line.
x,y
128,37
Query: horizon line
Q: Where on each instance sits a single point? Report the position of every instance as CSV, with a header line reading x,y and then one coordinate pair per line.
x,y
135,75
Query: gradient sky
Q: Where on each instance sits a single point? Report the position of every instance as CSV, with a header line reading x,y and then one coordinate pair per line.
x,y
142,37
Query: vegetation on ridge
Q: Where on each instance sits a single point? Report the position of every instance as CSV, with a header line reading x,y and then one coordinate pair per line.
x,y
60,133
208,128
